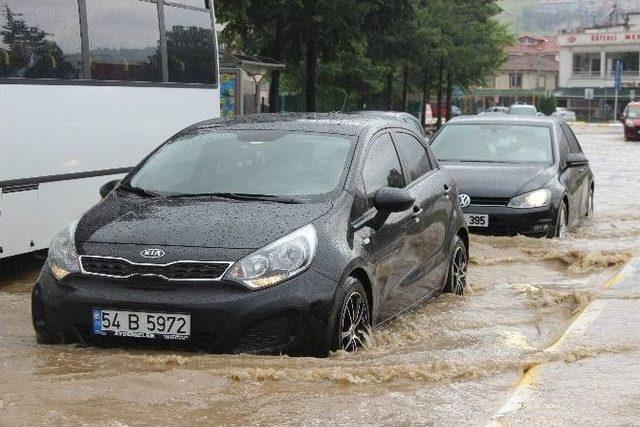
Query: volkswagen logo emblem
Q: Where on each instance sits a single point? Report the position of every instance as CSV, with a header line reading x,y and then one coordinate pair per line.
x,y
152,253
465,200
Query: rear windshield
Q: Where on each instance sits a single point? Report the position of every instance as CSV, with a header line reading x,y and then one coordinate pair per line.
x,y
494,143
269,162
523,111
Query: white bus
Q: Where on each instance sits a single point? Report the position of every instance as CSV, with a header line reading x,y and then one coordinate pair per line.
x,y
87,88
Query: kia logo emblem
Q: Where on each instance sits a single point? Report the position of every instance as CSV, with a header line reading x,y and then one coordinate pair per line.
x,y
465,200
152,253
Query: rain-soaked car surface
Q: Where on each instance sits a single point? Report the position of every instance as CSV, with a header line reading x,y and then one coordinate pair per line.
x,y
282,234
517,175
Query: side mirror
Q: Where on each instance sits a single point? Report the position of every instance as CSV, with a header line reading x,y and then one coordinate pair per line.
x,y
108,187
393,200
576,159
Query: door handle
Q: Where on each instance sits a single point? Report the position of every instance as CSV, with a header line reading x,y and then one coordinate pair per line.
x,y
417,211
447,191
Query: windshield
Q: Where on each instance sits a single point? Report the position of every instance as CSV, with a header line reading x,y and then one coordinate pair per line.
x,y
494,143
523,111
633,113
262,162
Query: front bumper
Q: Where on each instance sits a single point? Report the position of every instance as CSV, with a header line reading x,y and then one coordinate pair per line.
x,y
503,220
293,317
632,132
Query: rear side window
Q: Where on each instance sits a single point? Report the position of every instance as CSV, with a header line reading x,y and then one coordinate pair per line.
x,y
415,158
382,167
563,147
574,146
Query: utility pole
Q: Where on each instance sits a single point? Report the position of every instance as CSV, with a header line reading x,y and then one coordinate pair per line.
x,y
618,86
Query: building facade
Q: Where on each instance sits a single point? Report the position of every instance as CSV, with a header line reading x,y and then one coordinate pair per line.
x,y
530,72
588,58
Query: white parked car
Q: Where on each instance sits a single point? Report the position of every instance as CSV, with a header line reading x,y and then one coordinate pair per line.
x,y
564,114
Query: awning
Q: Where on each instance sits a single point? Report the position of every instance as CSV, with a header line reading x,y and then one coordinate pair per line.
x,y
508,92
253,65
599,93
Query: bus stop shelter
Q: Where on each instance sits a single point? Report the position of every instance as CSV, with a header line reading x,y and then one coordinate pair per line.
x,y
241,82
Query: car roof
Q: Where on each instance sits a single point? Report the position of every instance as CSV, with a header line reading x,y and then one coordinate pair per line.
x,y
400,115
335,123
505,119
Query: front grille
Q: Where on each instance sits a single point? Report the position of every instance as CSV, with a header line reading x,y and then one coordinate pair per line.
x,y
178,270
490,201
268,334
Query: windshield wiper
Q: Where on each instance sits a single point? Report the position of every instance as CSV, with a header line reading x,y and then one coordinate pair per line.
x,y
139,191
241,196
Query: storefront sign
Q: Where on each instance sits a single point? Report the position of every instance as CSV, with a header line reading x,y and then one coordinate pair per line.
x,y
599,39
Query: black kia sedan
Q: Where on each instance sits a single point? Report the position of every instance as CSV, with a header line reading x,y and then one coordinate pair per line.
x,y
517,175
269,234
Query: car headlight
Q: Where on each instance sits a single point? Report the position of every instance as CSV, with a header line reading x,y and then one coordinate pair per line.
x,y
63,257
629,123
277,262
533,199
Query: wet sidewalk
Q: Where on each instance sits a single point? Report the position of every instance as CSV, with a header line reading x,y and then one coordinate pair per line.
x,y
596,381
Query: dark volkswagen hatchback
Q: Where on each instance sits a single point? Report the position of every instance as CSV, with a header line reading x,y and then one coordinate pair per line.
x,y
269,234
517,175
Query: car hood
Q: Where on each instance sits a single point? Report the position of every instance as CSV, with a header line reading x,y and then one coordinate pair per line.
x,y
194,222
499,180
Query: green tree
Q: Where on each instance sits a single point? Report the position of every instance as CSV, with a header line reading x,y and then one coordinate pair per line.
x,y
547,105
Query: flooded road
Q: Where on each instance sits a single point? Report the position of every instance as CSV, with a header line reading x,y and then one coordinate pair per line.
x,y
453,361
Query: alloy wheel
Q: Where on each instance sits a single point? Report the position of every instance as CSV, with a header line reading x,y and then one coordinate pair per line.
x,y
459,271
354,322
562,223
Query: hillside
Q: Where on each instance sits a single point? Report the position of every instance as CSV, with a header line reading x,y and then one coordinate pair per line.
x,y
551,16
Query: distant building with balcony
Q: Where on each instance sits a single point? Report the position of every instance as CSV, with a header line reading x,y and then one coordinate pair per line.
x,y
588,60
530,72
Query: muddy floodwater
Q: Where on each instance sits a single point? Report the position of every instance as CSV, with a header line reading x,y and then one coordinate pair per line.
x,y
454,360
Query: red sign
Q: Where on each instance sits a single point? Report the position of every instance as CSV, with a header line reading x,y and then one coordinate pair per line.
x,y
614,37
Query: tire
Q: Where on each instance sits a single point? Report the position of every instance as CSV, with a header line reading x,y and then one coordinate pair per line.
x,y
590,205
353,317
561,228
457,276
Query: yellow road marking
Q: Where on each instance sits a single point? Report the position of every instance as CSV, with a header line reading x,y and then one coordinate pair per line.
x,y
615,279
529,377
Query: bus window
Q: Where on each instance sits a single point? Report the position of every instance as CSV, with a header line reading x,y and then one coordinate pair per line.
x,y
193,3
40,39
190,45
124,40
